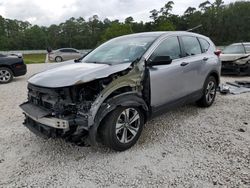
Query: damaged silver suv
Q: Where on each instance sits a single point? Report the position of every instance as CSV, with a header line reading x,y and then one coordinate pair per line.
x,y
108,95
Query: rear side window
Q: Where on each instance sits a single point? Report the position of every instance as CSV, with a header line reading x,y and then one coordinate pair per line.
x,y
191,45
67,50
204,45
169,47
72,50
64,50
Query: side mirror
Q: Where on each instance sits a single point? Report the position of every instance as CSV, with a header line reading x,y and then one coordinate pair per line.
x,y
160,60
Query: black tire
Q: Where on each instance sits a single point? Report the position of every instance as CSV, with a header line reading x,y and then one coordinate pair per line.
x,y
108,129
207,98
58,59
6,75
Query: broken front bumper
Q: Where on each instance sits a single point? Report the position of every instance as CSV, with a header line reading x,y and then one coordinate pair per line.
x,y
231,68
41,122
40,115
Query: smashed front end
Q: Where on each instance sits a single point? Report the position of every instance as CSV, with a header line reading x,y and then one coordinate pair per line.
x,y
70,112
238,66
61,112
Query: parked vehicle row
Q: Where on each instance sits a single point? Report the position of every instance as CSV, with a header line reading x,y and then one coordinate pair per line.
x,y
108,95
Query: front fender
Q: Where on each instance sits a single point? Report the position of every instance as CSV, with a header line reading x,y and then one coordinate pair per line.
x,y
126,99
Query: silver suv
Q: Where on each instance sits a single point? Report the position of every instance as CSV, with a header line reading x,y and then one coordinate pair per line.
x,y
108,95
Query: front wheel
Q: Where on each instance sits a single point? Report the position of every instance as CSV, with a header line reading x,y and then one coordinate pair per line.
x,y
209,92
122,128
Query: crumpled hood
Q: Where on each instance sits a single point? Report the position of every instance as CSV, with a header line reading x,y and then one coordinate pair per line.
x,y
232,57
70,73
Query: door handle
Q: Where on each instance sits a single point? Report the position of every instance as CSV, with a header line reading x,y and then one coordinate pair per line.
x,y
205,58
184,64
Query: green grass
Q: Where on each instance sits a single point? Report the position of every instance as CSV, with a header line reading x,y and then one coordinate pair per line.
x,y
34,58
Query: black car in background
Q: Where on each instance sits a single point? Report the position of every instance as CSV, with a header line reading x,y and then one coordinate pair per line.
x,y
11,66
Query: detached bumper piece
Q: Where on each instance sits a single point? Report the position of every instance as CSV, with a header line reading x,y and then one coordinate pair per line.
x,y
231,68
42,130
40,122
39,115
235,88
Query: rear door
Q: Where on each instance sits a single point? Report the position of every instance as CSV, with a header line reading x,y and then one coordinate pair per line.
x,y
195,61
66,54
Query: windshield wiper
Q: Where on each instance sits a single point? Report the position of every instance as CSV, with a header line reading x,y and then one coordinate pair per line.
x,y
81,58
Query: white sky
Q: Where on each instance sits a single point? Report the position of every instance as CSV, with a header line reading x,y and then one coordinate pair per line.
x,y
47,12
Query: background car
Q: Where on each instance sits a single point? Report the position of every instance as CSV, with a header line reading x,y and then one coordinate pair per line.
x,y
64,54
11,66
235,59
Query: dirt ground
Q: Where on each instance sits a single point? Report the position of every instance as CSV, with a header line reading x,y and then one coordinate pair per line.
x,y
187,147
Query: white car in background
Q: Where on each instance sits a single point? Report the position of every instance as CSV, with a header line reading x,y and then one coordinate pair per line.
x,y
235,59
64,54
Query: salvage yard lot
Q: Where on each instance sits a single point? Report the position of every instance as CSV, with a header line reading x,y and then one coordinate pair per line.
x,y
187,147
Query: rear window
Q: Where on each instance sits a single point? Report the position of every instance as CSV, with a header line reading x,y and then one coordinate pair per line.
x,y
204,45
191,45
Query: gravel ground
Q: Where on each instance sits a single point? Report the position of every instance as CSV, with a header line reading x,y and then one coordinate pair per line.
x,y
187,147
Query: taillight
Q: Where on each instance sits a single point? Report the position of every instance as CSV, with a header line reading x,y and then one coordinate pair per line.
x,y
217,52
18,66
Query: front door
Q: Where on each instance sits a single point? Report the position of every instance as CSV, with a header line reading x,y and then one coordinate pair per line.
x,y
166,81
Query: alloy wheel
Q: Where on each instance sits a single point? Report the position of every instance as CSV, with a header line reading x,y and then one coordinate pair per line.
x,y
5,75
127,125
210,91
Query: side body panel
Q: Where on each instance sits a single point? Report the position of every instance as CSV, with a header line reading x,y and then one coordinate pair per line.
x,y
174,83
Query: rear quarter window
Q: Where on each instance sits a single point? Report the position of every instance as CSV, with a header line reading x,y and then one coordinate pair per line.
x,y
205,45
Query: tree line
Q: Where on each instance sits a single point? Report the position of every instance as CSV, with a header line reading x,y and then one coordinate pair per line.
x,y
224,24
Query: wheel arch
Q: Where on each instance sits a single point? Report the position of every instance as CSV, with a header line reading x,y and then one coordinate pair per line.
x,y
125,99
59,57
216,75
6,66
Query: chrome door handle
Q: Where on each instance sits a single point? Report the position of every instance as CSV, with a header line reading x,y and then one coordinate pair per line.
x,y
184,64
205,58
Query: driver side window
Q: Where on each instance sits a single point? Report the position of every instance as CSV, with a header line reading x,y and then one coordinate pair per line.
x,y
169,47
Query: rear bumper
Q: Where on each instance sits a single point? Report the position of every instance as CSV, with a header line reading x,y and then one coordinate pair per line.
x,y
235,69
19,70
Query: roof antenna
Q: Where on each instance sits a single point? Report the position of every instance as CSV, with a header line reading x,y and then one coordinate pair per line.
x,y
197,27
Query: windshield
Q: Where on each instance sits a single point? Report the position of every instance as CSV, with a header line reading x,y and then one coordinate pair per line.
x,y
120,50
234,49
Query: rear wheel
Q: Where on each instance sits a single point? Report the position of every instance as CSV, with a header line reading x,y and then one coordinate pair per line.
x,y
209,92
58,59
6,75
122,128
